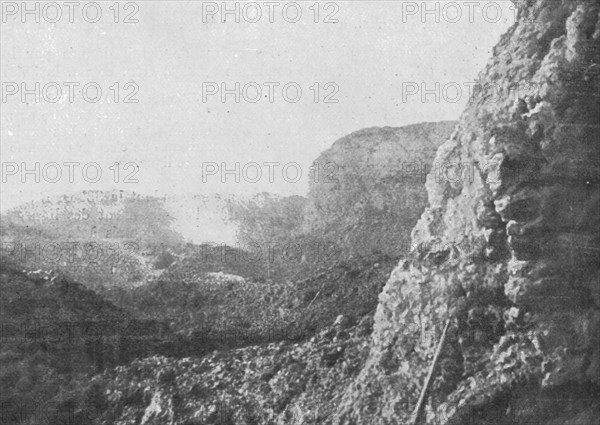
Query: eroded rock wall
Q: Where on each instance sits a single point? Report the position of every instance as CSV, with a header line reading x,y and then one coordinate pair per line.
x,y
367,191
518,219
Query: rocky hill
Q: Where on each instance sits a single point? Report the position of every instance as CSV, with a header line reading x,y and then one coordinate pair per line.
x,y
368,190
149,220
100,238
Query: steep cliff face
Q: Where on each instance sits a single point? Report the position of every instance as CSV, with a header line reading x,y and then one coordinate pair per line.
x,y
515,207
367,191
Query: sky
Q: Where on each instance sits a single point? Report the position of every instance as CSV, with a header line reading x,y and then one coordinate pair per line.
x,y
355,68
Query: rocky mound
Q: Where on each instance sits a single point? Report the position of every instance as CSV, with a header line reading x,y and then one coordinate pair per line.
x,y
279,383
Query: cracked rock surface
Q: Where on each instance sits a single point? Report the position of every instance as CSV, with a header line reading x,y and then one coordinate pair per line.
x,y
520,275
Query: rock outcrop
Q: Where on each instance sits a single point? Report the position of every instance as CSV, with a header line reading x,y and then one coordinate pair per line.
x,y
515,208
368,190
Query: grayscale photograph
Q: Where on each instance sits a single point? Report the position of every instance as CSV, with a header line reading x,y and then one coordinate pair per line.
x,y
347,212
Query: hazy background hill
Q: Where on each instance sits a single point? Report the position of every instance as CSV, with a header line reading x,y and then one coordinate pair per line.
x,y
122,238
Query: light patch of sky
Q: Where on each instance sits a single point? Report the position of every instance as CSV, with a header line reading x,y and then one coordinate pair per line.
x,y
171,52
